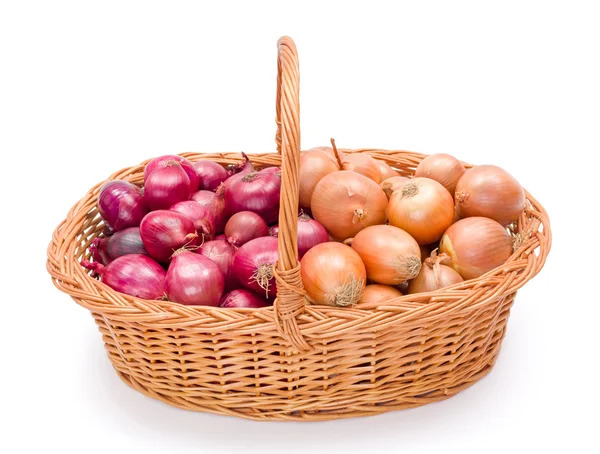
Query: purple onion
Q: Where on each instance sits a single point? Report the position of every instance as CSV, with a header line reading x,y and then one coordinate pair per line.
x,y
193,279
243,167
121,205
310,233
133,274
210,174
201,216
163,232
245,226
253,265
255,191
125,242
242,298
216,203
274,230
221,252
161,161
166,186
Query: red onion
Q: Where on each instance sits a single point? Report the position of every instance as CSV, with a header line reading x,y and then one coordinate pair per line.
x,y
310,233
274,230
163,232
216,203
245,226
245,166
275,170
201,216
221,237
125,242
210,174
253,265
133,274
166,186
221,252
242,298
193,279
255,191
121,205
159,162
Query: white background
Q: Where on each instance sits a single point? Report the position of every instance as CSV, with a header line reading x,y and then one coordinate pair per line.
x,y
87,88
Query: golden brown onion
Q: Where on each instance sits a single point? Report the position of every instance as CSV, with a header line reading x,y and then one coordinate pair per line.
x,y
378,293
346,202
333,274
314,165
392,184
359,163
443,168
422,207
491,192
434,275
476,245
391,256
385,170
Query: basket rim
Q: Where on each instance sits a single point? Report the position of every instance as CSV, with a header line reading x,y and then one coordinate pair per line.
x,y
71,278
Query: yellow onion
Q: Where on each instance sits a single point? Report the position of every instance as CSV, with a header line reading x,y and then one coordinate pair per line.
x,y
391,256
378,293
434,275
333,274
443,168
385,170
392,184
476,245
491,192
422,207
314,165
346,202
359,163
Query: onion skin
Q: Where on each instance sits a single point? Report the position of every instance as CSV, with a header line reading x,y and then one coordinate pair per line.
x,y
242,298
255,191
166,186
193,279
346,202
201,216
434,275
163,232
490,192
443,168
378,293
210,174
216,203
391,256
161,161
253,265
476,245
385,170
274,230
221,252
314,165
392,184
243,167
423,208
134,274
362,164
122,243
121,205
333,274
310,233
243,227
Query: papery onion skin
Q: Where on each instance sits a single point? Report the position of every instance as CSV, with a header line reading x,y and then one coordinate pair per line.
x,y
362,164
124,242
378,293
314,165
200,215
161,161
210,174
166,186
443,168
392,184
221,252
134,274
216,203
434,275
243,167
242,298
193,279
345,202
310,233
333,274
253,265
274,230
491,192
245,226
121,204
476,245
423,208
164,231
255,191
385,170
391,256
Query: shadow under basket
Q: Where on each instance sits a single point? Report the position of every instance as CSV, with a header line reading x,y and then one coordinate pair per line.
x,y
296,361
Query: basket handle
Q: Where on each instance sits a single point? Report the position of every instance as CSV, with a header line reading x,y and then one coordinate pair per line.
x,y
289,303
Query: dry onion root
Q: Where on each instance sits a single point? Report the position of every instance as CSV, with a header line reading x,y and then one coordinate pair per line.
x,y
435,274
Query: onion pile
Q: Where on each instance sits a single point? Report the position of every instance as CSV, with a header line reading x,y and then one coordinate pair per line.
x,y
202,234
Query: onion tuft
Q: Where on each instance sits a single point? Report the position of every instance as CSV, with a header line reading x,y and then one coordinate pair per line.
x,y
393,184
434,275
253,265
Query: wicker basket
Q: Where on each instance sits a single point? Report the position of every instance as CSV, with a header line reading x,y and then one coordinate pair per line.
x,y
295,361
